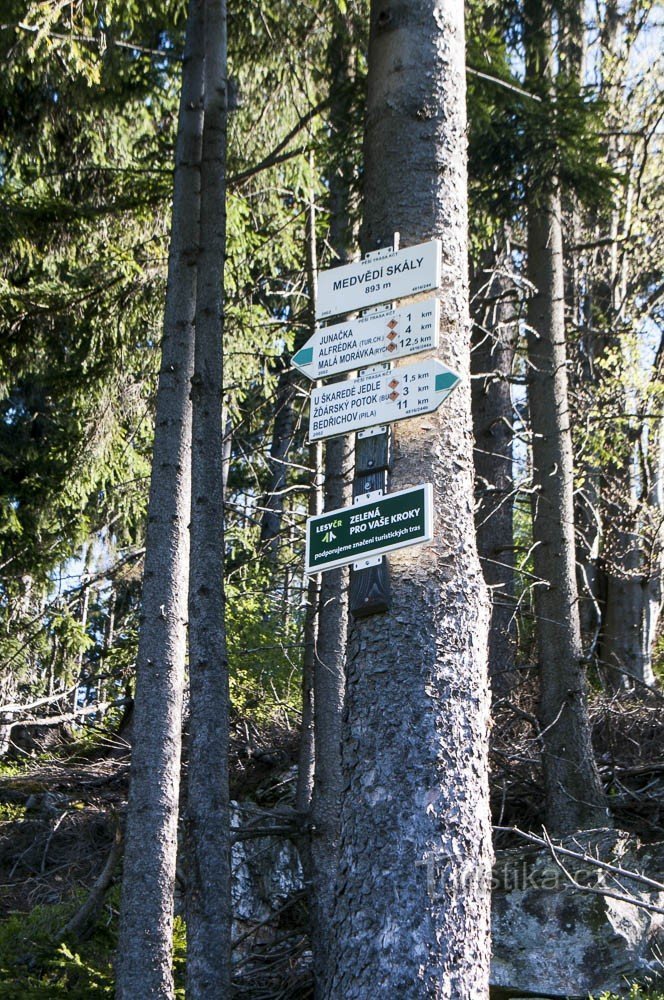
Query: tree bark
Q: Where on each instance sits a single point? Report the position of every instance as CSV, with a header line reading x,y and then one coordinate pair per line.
x,y
329,685
631,553
574,797
146,912
494,342
282,438
208,892
306,748
412,905
330,649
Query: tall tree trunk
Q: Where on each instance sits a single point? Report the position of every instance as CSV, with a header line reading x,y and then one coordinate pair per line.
x,y
329,684
330,650
208,893
654,558
84,607
494,341
282,437
146,912
412,905
306,748
574,798
631,559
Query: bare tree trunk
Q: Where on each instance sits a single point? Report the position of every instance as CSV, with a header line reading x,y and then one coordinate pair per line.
x,y
494,342
329,684
330,650
412,904
109,638
84,606
282,437
208,892
306,749
146,913
574,797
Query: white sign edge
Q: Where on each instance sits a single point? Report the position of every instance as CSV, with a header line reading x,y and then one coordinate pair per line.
x,y
396,419
388,254
428,532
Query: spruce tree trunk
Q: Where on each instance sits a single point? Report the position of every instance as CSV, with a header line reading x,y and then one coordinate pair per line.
x,y
412,904
574,797
632,558
208,886
330,649
282,437
494,341
306,750
329,684
146,912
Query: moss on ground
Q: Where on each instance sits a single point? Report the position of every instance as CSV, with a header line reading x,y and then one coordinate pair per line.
x,y
35,965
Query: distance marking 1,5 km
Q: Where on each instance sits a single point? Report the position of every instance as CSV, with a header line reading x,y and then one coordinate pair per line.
x,y
379,398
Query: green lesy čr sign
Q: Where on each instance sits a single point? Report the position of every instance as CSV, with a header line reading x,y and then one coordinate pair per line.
x,y
372,528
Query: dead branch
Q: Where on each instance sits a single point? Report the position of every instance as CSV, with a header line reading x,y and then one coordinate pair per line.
x,y
556,851
16,707
83,920
56,720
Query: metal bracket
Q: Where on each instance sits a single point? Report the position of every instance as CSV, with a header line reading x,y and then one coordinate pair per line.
x,y
382,366
379,254
367,497
367,562
370,432
384,251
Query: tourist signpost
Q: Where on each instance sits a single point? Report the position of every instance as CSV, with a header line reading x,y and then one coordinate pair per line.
x,y
383,335
371,528
378,522
383,276
379,398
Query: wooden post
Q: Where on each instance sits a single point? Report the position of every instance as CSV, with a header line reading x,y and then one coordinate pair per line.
x,y
370,587
369,592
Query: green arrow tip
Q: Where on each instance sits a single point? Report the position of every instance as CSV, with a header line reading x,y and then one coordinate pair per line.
x,y
304,356
446,380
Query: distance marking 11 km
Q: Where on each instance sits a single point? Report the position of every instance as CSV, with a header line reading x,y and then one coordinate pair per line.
x,y
381,398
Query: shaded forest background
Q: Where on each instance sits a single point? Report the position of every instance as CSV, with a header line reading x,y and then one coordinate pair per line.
x,y
88,109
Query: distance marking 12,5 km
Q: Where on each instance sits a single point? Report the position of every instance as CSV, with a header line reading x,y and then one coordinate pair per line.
x,y
383,276
379,525
383,335
381,398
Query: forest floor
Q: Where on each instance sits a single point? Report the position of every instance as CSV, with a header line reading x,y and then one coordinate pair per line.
x,y
62,809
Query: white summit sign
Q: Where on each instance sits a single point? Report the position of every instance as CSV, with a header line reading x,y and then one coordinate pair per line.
x,y
379,398
381,335
382,276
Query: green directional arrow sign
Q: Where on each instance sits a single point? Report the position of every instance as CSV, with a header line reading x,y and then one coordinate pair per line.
x,y
383,334
379,398
371,528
